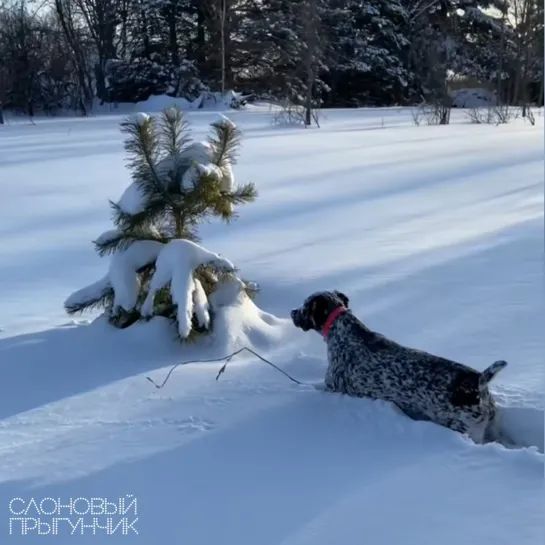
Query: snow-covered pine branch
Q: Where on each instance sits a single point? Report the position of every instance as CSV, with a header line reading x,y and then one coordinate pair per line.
x,y
175,266
96,295
121,284
123,276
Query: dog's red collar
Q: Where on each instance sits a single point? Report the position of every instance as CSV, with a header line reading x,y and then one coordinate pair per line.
x,y
330,319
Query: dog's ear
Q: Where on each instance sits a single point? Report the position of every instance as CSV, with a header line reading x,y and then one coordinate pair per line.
x,y
318,310
342,297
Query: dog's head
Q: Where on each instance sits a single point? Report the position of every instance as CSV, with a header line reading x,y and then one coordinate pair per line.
x,y
315,310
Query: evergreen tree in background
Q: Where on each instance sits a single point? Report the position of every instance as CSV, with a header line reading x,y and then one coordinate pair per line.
x,y
366,51
177,185
68,53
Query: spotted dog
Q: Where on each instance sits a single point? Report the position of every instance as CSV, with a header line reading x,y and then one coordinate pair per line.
x,y
363,363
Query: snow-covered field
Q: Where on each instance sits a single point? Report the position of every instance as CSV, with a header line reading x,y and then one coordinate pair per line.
x,y
435,233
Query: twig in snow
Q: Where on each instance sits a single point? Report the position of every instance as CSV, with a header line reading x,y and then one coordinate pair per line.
x,y
227,360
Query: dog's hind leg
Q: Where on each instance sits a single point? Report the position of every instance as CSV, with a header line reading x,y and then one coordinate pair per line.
x,y
412,413
495,433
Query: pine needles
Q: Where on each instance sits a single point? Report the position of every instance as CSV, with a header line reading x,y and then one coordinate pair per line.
x,y
225,142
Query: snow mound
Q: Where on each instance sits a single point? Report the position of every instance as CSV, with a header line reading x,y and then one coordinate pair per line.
x,y
523,426
240,322
206,101
522,418
270,462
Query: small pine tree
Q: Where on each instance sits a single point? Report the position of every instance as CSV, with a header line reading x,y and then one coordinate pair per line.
x,y
177,185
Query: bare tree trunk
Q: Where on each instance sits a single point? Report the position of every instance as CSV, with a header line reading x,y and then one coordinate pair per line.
x,y
124,18
217,13
65,17
100,17
522,10
528,43
222,31
311,39
499,90
201,37
525,82
173,39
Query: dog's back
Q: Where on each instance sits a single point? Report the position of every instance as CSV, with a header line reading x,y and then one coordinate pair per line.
x,y
426,387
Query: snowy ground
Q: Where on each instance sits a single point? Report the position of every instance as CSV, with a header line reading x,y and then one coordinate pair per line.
x,y
436,234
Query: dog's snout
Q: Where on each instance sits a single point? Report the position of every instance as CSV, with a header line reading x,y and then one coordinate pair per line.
x,y
296,317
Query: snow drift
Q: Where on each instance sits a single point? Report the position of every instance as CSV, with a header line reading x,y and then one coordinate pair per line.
x,y
439,246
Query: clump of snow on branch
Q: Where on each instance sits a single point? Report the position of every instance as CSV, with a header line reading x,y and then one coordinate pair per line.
x,y
196,161
176,264
227,181
133,200
193,174
201,305
122,277
89,295
199,156
200,152
107,236
122,272
227,121
139,118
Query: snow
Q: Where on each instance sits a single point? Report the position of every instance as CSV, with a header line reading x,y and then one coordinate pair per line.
x,y
473,98
133,200
122,275
206,102
224,120
200,305
124,265
228,183
210,170
108,236
175,264
200,152
435,234
139,118
93,292
200,155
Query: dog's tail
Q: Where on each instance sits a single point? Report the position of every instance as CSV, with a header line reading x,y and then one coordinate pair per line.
x,y
490,372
